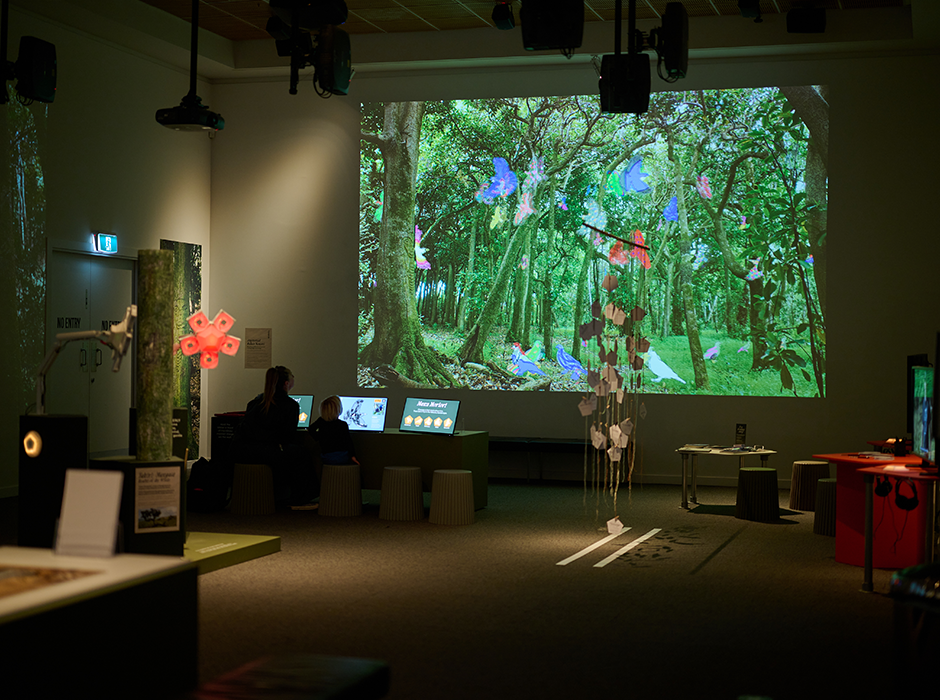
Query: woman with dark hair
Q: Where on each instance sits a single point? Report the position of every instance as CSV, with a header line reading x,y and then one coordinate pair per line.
x,y
268,435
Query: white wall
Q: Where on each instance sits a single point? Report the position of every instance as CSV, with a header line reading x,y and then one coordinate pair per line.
x,y
108,165
284,251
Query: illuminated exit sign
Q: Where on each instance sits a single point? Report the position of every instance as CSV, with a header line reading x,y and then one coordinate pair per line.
x,y
106,242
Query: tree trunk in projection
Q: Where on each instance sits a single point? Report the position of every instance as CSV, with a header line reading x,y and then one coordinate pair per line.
x,y
155,355
398,341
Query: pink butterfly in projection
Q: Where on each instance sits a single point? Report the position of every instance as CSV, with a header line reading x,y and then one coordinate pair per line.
x,y
704,189
525,208
420,261
640,254
535,174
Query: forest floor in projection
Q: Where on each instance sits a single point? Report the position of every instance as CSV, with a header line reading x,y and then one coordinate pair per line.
x,y
667,367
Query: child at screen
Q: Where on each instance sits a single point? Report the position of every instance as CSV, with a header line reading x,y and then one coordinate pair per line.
x,y
333,434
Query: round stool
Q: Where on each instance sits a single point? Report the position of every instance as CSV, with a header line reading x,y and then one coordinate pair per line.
x,y
452,497
402,497
340,490
824,521
758,499
252,490
803,483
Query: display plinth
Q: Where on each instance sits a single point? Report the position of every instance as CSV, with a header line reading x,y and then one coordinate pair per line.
x,y
153,506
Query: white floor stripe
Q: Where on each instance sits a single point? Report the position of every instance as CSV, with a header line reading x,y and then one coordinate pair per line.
x,y
591,548
627,548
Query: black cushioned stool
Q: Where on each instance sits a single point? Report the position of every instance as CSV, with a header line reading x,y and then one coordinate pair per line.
x,y
758,499
252,490
824,522
803,483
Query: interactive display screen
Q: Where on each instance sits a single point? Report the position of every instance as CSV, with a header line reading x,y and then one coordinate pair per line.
x,y
364,412
923,437
306,408
430,416
485,266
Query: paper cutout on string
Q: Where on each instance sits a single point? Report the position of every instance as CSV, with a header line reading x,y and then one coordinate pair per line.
x,y
637,315
598,439
643,410
591,329
610,283
640,254
614,453
588,405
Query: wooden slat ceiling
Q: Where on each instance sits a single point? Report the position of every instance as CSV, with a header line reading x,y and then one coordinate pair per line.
x,y
240,20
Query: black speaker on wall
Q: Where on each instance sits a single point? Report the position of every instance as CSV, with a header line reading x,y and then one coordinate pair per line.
x,y
48,446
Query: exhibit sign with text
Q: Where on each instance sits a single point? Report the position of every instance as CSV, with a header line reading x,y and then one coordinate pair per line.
x,y
157,499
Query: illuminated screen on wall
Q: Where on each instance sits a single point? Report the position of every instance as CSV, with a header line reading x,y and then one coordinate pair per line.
x,y
488,227
429,416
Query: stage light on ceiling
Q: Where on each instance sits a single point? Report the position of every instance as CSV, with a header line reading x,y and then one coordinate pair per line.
x,y
502,16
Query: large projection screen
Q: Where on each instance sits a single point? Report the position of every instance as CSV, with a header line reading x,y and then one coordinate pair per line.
x,y
487,228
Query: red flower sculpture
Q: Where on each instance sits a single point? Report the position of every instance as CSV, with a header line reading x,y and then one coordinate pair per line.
x,y
210,338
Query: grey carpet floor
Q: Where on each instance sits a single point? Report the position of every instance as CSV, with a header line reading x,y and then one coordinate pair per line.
x,y
707,607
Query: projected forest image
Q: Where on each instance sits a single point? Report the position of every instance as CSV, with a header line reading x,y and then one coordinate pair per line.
x,y
488,227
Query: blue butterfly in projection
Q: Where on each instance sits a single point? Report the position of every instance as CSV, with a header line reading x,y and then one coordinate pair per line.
x,y
671,212
504,182
631,177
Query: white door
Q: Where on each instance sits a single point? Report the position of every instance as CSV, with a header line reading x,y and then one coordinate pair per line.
x,y
88,292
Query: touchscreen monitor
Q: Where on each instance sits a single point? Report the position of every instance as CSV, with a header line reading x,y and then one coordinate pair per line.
x,y
364,412
306,408
430,416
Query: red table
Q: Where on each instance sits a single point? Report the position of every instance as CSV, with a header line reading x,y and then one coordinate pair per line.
x,y
899,536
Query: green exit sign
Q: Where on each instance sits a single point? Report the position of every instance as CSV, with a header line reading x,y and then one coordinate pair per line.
x,y
106,242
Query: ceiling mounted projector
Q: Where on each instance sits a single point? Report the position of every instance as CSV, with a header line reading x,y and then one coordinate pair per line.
x,y
191,114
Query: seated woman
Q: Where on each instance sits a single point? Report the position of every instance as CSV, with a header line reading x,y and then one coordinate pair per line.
x,y
333,434
268,435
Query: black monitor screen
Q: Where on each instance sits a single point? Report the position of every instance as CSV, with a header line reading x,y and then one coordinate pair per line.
x,y
923,412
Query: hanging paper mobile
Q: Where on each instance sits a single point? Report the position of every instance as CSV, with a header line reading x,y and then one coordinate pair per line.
x,y
631,177
210,338
616,255
420,261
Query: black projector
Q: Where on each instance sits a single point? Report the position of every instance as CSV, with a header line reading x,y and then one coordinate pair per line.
x,y
625,83
190,115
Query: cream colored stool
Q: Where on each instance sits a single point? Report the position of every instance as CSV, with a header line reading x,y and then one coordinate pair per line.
x,y
452,497
824,521
252,490
402,497
803,483
340,490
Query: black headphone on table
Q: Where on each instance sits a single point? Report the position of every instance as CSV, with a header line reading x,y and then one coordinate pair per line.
x,y
906,502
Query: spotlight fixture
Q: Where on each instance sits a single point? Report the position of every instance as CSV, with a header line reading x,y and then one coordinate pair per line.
x,y
191,114
502,16
750,9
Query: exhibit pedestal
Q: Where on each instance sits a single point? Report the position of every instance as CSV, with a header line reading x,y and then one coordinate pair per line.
x,y
153,506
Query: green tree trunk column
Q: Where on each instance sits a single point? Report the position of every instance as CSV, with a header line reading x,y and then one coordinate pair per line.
x,y
155,355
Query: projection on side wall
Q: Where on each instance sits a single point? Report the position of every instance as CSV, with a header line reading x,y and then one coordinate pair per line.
x,y
487,228
23,258
187,274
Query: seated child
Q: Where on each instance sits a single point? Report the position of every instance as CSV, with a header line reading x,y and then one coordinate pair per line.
x,y
333,434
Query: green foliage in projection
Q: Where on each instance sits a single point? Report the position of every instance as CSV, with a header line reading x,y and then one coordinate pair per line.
x,y
521,207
